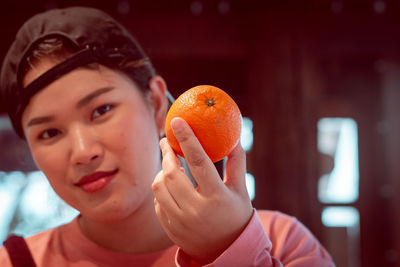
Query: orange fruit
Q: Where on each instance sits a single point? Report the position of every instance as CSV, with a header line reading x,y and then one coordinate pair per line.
x,y
213,116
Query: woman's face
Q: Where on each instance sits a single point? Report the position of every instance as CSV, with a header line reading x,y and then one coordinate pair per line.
x,y
95,137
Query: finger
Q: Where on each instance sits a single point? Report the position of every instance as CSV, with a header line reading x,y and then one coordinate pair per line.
x,y
168,156
163,196
235,169
173,226
201,167
178,184
162,216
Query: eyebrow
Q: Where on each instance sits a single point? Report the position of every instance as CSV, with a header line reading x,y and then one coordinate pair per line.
x,y
40,120
87,99
84,101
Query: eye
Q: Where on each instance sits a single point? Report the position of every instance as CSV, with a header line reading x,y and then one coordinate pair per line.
x,y
49,134
101,111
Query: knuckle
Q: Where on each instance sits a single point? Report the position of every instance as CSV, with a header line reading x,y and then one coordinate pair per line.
x,y
155,186
169,174
197,160
182,137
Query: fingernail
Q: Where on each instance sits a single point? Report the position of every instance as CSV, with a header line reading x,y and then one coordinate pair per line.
x,y
177,125
162,142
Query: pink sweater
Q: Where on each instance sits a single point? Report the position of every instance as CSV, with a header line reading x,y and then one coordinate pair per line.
x,y
270,239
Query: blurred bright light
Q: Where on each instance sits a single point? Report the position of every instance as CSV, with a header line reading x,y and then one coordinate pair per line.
x,y
29,204
10,187
40,200
246,137
340,217
250,185
338,138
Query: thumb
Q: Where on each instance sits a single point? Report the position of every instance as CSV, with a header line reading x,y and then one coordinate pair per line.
x,y
235,169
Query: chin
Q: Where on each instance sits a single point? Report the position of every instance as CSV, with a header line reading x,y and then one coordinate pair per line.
x,y
115,210
107,215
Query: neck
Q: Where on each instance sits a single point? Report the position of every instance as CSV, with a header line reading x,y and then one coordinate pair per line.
x,y
141,232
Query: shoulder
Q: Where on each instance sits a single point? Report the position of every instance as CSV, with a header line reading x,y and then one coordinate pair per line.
x,y
4,259
38,244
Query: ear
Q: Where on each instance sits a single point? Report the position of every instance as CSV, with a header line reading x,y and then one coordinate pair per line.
x,y
158,101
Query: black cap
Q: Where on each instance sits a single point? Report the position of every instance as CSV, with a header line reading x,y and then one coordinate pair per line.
x,y
96,36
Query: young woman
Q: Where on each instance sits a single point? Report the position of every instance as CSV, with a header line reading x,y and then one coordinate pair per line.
x,y
86,98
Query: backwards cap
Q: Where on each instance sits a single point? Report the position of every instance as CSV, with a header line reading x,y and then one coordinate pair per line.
x,y
98,39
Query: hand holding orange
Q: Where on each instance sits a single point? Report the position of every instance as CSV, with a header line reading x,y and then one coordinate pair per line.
x,y
213,116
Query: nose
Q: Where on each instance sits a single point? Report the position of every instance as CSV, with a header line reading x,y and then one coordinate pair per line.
x,y
84,144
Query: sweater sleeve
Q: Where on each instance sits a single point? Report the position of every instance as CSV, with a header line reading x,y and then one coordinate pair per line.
x,y
270,239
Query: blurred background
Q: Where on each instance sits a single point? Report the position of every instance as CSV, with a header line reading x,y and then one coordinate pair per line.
x,y
318,84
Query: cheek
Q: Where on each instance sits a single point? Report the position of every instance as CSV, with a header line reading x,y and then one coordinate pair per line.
x,y
137,138
51,163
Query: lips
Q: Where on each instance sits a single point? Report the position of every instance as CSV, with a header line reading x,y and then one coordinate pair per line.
x,y
96,181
